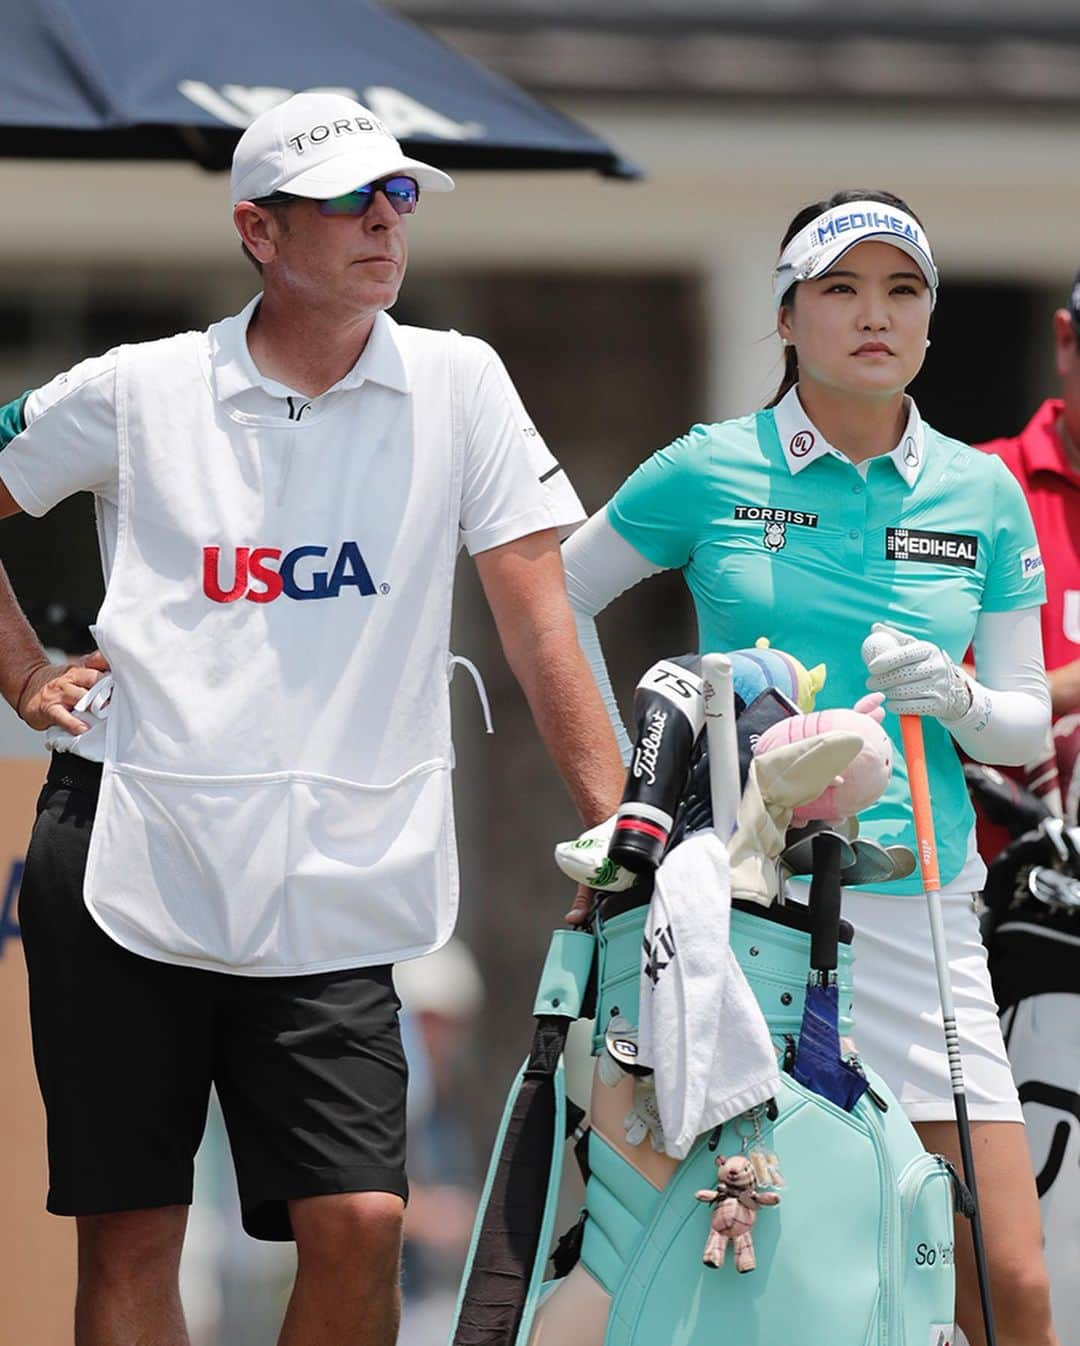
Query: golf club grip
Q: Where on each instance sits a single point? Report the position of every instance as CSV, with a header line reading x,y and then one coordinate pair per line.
x,y
919,786
725,785
825,899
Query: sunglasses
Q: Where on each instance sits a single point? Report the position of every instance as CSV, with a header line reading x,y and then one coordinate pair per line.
x,y
403,194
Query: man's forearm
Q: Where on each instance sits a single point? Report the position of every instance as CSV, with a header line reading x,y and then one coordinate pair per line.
x,y
570,716
20,650
526,591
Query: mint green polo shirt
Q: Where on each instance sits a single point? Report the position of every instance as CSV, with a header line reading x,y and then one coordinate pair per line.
x,y
791,541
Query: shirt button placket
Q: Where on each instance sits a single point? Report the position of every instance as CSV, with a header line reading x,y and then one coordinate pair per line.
x,y
864,500
855,517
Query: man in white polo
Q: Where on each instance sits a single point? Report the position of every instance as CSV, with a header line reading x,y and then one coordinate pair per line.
x,y
258,822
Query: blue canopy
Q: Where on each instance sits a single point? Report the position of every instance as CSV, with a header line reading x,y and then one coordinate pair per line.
x,y
180,79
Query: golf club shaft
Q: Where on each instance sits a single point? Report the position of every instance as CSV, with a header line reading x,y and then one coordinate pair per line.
x,y
919,785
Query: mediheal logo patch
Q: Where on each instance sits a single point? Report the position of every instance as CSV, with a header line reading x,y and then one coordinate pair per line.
x,y
1031,562
916,544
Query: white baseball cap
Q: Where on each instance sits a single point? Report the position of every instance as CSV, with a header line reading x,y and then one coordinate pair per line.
x,y
321,145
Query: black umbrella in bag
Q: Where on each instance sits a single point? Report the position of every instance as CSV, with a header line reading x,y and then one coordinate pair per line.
x,y
108,79
818,1063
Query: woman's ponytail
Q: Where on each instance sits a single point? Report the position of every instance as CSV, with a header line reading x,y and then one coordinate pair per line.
x,y
790,378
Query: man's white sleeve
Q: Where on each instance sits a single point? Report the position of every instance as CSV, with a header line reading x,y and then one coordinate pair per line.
x,y
69,443
512,485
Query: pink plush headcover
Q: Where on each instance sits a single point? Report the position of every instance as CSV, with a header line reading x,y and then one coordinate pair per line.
x,y
864,780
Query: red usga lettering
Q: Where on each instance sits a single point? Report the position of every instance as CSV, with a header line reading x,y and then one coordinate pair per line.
x,y
211,586
258,570
251,567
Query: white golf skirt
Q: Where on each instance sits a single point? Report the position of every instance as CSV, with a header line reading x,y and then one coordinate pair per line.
x,y
897,1011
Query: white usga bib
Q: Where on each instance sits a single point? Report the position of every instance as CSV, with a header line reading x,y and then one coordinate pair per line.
x,y
276,789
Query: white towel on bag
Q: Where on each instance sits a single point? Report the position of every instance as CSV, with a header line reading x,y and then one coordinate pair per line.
x,y
701,1028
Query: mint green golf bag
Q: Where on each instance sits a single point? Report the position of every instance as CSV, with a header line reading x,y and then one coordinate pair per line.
x,y
859,1252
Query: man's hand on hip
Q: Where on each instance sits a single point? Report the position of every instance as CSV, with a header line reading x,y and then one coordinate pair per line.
x,y
52,690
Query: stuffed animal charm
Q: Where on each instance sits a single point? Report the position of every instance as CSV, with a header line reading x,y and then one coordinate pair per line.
x,y
735,1201
755,670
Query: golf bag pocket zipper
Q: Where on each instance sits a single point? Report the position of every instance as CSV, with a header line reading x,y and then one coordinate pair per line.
x,y
963,1201
926,1238
855,1062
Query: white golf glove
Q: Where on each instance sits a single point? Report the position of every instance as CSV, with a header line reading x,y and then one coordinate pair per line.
x,y
917,677
643,1119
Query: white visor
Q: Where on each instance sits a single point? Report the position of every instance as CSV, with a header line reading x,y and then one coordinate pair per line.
x,y
817,248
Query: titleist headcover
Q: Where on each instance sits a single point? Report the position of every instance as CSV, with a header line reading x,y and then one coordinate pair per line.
x,y
669,714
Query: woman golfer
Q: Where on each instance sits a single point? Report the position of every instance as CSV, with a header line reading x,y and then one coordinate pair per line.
x,y
835,509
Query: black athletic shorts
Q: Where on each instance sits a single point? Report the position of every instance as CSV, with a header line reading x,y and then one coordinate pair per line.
x,y
309,1070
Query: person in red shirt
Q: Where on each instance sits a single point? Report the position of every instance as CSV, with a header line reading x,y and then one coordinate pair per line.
x,y
1045,459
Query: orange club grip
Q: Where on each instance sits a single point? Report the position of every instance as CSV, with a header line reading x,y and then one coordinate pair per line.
x,y
919,785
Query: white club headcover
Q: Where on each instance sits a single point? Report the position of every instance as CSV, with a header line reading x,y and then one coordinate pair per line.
x,y
585,860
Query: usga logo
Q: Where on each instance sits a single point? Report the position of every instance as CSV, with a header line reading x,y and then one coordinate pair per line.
x,y
261,574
